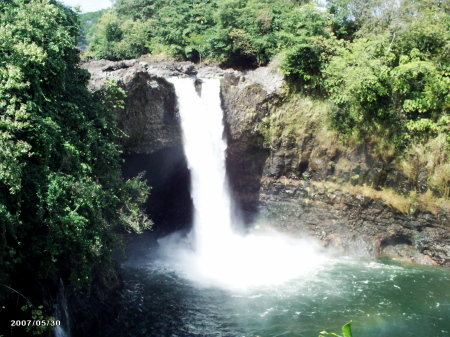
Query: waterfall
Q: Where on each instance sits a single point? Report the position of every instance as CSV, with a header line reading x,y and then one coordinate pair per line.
x,y
220,256
204,146
62,313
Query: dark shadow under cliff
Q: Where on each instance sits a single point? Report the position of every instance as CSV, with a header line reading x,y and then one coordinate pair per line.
x,y
169,204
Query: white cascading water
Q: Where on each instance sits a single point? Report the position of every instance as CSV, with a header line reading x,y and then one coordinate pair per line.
x,y
201,121
62,313
221,257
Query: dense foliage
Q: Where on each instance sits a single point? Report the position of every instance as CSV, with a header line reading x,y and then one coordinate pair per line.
x,y
397,78
384,65
237,32
62,197
87,22
389,82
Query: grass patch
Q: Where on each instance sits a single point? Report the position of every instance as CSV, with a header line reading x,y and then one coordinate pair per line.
x,y
294,117
426,202
392,198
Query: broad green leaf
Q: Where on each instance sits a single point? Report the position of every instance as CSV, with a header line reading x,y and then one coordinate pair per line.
x,y
347,330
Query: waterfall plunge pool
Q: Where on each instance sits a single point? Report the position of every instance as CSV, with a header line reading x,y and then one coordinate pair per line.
x,y
381,298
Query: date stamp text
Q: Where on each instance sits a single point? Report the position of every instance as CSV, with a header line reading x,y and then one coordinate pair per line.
x,y
35,322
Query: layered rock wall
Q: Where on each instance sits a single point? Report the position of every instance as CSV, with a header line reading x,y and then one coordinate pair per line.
x,y
354,224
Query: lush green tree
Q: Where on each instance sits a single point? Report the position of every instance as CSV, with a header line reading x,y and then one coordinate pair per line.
x,y
397,82
237,32
115,39
62,198
181,26
87,23
137,9
306,44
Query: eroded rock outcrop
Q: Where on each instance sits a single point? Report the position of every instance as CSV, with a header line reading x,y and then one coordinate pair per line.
x,y
149,121
150,118
354,224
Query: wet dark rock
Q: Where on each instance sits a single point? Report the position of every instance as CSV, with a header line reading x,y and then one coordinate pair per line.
x,y
149,121
359,226
89,315
150,118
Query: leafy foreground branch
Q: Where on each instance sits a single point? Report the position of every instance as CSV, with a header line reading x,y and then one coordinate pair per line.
x,y
346,331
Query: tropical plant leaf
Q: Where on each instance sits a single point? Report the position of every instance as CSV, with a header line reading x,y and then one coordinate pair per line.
x,y
347,330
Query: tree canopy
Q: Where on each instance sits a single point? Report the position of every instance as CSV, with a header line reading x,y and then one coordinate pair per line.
x,y
62,197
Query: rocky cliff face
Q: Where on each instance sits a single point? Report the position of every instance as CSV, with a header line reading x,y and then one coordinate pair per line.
x,y
354,224
294,183
298,183
149,121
